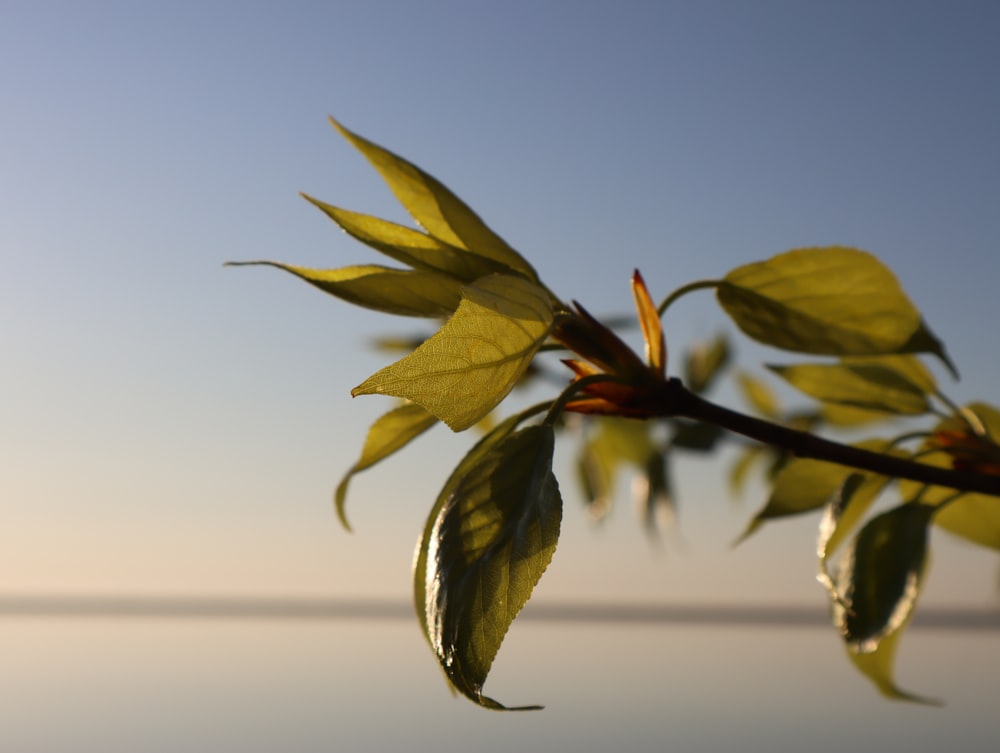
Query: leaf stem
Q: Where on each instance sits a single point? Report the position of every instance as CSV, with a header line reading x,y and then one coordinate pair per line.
x,y
684,290
679,401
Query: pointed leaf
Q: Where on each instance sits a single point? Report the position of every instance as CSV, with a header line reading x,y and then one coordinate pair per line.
x,y
704,362
409,246
394,291
389,434
871,386
436,209
974,517
462,372
877,588
803,485
759,395
826,301
472,458
488,547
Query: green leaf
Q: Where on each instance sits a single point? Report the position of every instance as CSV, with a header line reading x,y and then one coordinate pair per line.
x,y
803,485
973,517
395,291
487,548
472,458
611,442
871,385
409,246
759,395
464,370
436,209
704,362
877,588
826,301
389,434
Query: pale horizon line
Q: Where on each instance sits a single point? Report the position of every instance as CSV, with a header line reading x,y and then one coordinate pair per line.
x,y
126,606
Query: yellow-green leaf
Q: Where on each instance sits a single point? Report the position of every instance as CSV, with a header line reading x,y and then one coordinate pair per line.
x,y
410,246
488,546
974,517
389,434
464,370
759,395
437,209
704,362
826,301
877,589
872,386
395,291
804,484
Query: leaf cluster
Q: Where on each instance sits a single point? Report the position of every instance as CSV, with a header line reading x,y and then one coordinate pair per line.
x,y
493,528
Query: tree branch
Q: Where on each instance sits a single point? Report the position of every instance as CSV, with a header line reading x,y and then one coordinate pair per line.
x,y
683,403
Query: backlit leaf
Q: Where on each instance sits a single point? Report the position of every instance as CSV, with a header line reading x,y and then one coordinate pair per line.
x,y
395,291
877,588
704,362
804,484
487,549
826,301
758,394
436,209
472,458
872,386
410,246
464,370
389,434
974,517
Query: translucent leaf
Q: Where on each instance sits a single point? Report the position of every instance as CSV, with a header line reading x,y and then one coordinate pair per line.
x,y
759,395
395,291
871,386
704,362
389,434
832,301
741,467
464,370
409,246
436,209
845,416
487,549
803,485
472,458
974,517
877,588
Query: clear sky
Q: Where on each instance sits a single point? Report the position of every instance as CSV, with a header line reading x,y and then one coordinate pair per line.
x,y
170,426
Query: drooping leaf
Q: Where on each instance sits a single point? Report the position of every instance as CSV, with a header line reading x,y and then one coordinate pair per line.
x,y
877,588
845,509
463,371
826,301
611,443
395,291
741,467
410,246
472,458
487,549
974,517
872,386
389,434
759,395
804,484
437,209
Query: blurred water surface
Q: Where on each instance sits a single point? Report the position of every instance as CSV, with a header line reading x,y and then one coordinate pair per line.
x,y
367,683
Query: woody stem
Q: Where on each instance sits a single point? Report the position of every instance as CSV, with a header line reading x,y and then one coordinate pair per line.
x,y
678,401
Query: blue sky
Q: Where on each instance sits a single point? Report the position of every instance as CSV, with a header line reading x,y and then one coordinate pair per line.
x,y
168,425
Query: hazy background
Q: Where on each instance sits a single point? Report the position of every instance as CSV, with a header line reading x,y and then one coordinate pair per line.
x,y
172,428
